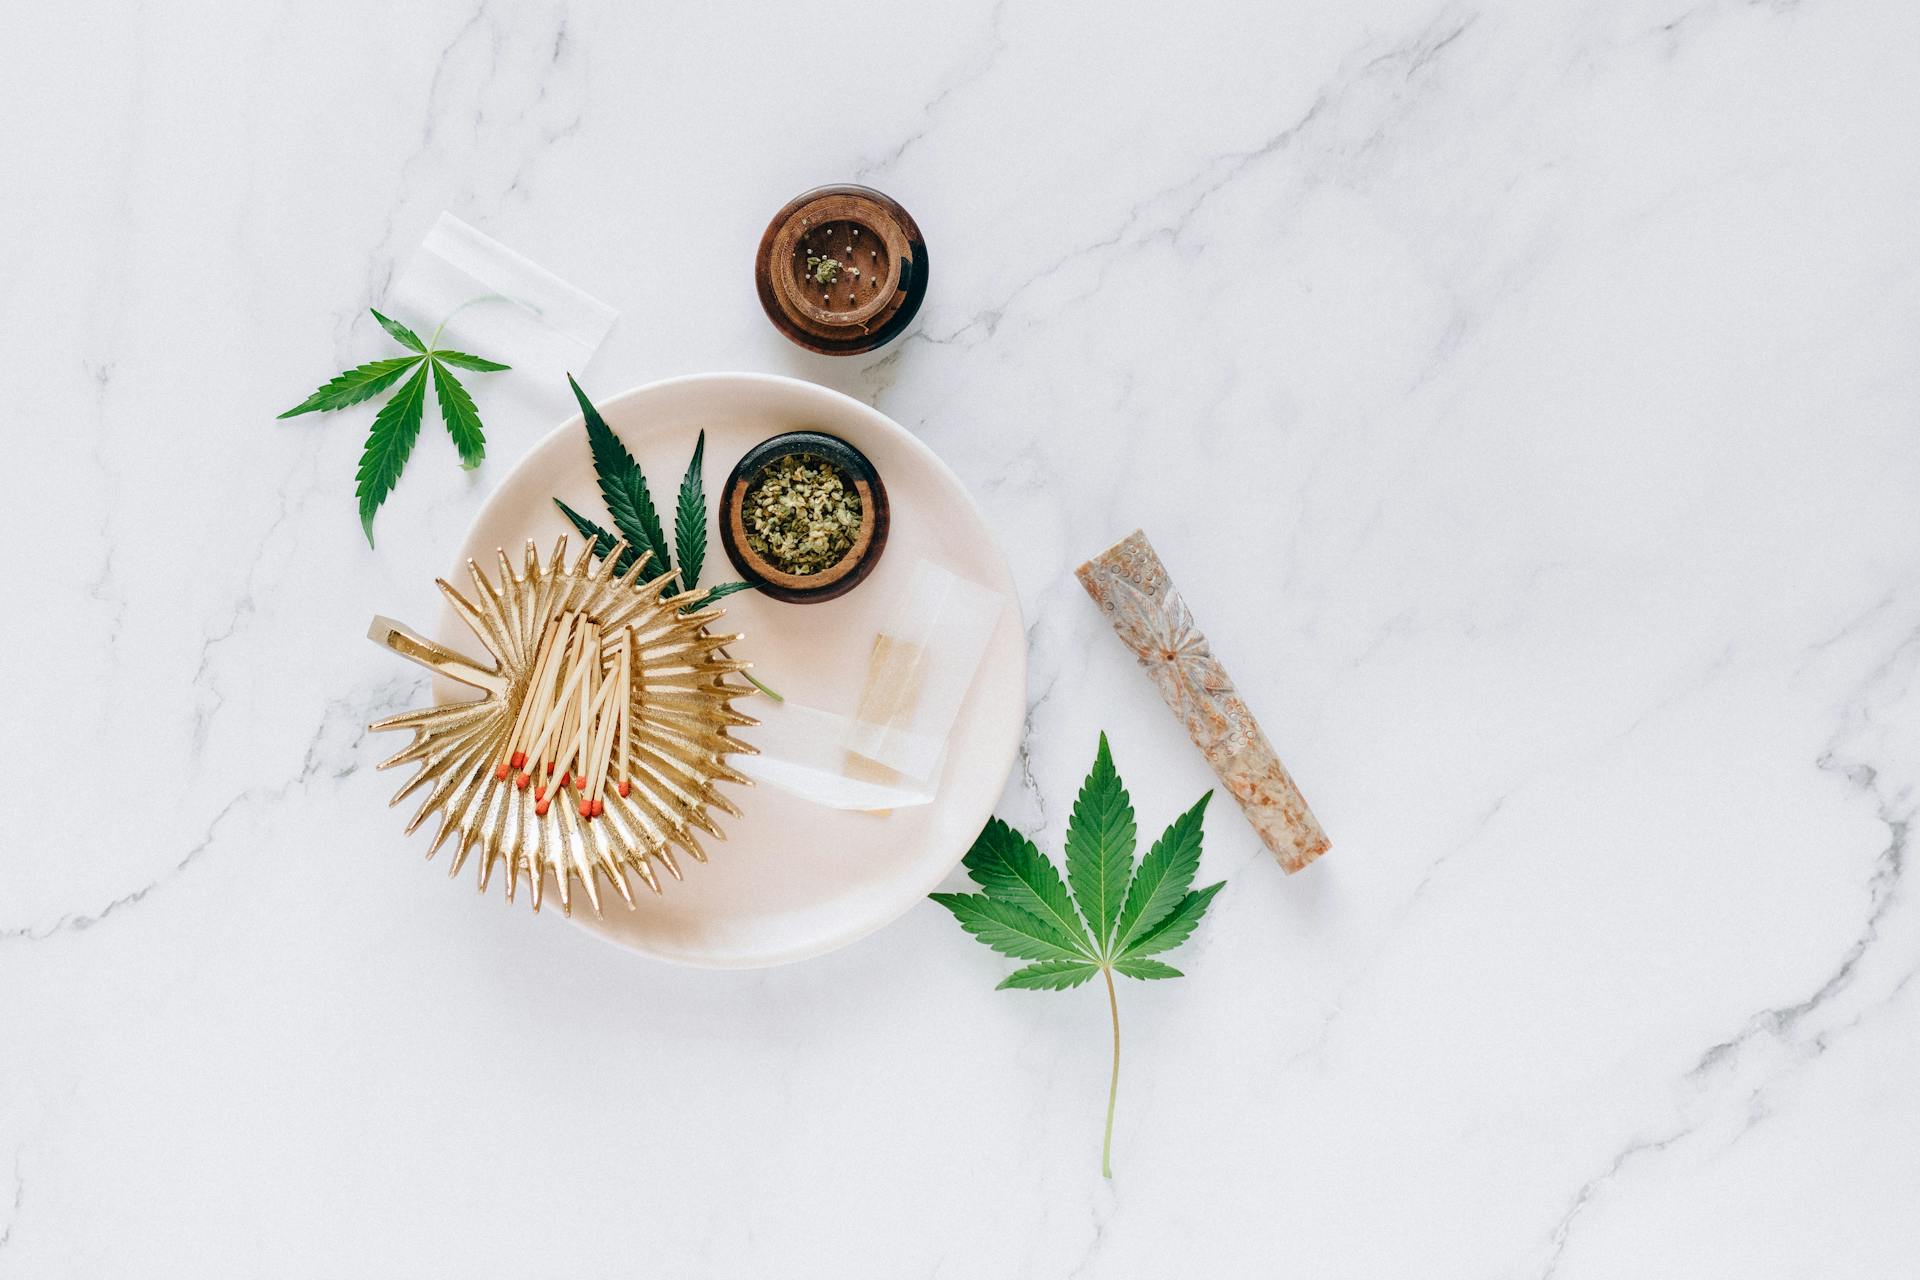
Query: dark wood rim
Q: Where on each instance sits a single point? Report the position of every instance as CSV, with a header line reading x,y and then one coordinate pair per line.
x,y
844,574
912,272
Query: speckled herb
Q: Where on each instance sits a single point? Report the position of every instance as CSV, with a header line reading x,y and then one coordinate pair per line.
x,y
824,270
801,514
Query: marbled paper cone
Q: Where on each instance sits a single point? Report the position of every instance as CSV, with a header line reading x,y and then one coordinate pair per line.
x,y
1131,587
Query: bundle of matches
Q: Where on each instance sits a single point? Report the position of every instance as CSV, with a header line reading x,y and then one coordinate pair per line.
x,y
636,713
575,720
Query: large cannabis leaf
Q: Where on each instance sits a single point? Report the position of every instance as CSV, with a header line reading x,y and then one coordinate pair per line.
x,y
1118,916
623,487
397,425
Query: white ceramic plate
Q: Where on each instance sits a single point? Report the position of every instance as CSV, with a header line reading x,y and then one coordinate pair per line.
x,y
790,879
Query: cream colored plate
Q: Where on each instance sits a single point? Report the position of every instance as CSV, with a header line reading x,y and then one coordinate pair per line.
x,y
791,879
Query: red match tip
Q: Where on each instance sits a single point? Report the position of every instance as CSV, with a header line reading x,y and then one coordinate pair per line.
x,y
565,778
586,808
599,807
541,808
500,774
626,788
519,759
521,782
549,766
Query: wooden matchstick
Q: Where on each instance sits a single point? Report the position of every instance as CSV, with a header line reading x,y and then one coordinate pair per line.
x,y
616,714
604,722
551,732
626,710
586,741
507,748
582,699
596,659
596,735
590,764
544,751
515,752
554,674
581,728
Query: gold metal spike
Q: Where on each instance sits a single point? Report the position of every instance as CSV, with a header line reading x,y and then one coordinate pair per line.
x,y
681,713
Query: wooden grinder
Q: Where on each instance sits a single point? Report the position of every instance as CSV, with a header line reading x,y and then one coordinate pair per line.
x,y
841,270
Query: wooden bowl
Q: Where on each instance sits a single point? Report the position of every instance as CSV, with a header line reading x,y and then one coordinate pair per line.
x,y
844,574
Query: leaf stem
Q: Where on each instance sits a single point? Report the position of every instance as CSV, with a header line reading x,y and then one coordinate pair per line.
x,y
1113,1085
762,688
433,343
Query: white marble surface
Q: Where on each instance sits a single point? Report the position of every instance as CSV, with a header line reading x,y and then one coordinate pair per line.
x,y
1525,396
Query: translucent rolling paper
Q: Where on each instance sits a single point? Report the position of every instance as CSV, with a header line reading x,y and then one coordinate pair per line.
x,y
886,750
484,298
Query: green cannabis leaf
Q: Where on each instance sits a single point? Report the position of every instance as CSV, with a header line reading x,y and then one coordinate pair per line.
x,y
465,361
603,541
720,591
389,442
1125,915
397,426
400,333
690,518
462,419
623,487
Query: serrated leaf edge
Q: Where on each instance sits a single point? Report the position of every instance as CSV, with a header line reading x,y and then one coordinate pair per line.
x,y
400,333
1071,925
978,914
454,400
623,485
1065,975
1145,969
1167,872
338,393
404,413
1183,919
690,517
466,360
603,540
1102,834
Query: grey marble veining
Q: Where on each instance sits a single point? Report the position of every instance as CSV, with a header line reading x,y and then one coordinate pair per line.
x,y
1525,395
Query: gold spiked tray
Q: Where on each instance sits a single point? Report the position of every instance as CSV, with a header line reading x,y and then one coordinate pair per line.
x,y
681,715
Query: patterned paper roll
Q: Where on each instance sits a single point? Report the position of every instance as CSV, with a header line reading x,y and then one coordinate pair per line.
x,y
1132,588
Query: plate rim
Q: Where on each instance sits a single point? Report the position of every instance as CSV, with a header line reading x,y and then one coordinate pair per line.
x,y
1008,750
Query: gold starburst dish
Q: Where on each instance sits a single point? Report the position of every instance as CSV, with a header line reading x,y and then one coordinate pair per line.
x,y
601,729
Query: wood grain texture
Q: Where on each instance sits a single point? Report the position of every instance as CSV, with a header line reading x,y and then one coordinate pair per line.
x,y
1133,590
883,276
